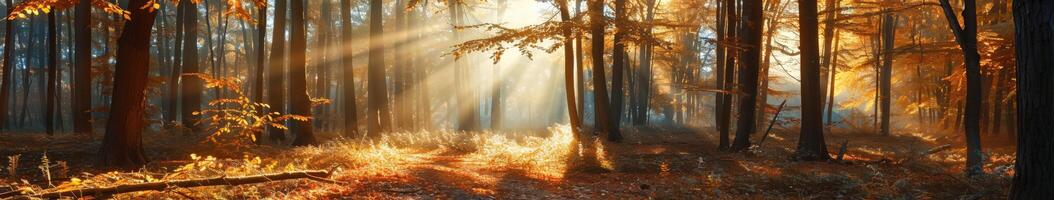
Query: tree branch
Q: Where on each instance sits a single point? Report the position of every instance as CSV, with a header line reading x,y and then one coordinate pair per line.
x,y
316,175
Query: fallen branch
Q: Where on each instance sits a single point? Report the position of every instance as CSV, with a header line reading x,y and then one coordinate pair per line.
x,y
159,186
934,150
774,117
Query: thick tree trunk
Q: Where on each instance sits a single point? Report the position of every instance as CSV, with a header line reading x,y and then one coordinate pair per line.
x,y
82,72
276,69
1035,99
351,120
300,103
379,114
748,76
811,145
191,88
600,93
123,144
53,78
966,36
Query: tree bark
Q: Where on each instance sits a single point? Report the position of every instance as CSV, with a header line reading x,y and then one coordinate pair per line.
x,y
889,34
191,88
811,145
1034,44
966,36
724,124
53,72
379,114
8,73
122,146
569,70
351,121
82,71
261,60
748,76
276,69
300,103
600,93
618,60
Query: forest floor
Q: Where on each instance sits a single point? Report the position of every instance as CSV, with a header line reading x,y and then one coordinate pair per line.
x,y
679,163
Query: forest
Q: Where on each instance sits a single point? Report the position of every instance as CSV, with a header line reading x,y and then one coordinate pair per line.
x,y
527,99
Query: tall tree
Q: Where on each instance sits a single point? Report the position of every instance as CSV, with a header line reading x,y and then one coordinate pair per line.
x,y
8,73
351,121
643,81
600,91
173,99
122,146
727,82
276,69
53,72
811,145
81,102
261,55
885,77
1034,34
966,36
378,115
569,69
749,62
300,103
191,88
618,60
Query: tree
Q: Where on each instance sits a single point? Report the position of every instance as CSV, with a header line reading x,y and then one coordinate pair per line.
x,y
122,146
1034,33
600,91
276,69
569,69
618,60
53,72
191,88
8,73
300,103
966,36
749,62
378,115
726,82
811,145
885,77
351,122
261,57
82,93
173,99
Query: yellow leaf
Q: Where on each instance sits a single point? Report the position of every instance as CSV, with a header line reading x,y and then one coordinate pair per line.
x,y
157,6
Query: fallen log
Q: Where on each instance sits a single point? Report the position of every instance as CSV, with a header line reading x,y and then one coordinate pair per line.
x,y
933,150
163,185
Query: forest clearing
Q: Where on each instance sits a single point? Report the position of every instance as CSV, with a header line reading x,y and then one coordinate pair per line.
x,y
527,99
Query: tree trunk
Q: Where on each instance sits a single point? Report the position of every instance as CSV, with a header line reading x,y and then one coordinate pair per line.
x,y
379,114
889,34
300,103
276,69
1035,99
833,65
569,71
177,68
261,57
351,120
724,125
8,73
122,146
191,88
82,72
811,145
748,76
53,72
966,36
618,60
600,93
